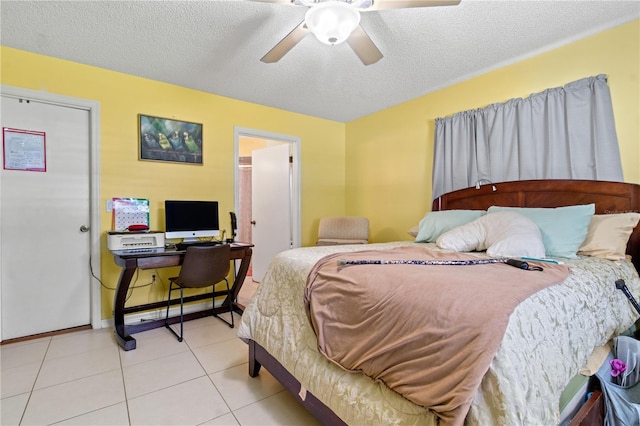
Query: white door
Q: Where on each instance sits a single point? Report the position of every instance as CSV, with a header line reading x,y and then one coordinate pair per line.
x,y
44,221
271,206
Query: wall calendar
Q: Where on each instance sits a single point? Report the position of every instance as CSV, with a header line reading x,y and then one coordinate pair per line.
x,y
129,211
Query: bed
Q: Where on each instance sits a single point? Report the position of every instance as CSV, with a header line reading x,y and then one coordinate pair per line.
x,y
544,345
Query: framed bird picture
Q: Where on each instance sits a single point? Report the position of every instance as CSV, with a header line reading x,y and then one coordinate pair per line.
x,y
165,139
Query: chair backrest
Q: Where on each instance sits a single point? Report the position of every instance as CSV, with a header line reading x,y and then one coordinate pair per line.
x,y
204,266
343,230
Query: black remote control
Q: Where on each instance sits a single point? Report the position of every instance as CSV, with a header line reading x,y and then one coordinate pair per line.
x,y
518,263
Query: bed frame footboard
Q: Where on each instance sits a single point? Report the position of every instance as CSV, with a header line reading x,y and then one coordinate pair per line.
x,y
258,356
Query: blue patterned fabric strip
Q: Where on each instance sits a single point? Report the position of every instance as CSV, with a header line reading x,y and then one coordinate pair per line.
x,y
421,262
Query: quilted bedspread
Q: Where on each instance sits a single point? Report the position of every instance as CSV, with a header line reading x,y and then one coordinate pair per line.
x,y
548,339
429,332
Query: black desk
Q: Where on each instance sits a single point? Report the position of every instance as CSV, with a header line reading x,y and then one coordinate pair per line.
x,y
163,259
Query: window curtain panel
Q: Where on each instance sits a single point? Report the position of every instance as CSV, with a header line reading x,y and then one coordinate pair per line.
x,y
561,133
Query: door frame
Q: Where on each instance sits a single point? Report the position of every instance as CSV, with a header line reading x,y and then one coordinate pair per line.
x,y
294,142
93,108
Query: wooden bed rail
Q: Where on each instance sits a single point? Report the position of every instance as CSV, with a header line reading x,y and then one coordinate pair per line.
x,y
591,413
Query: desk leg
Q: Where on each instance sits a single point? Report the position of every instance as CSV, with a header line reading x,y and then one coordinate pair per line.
x,y
124,339
239,280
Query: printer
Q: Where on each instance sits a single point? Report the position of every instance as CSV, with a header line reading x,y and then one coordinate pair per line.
x,y
118,241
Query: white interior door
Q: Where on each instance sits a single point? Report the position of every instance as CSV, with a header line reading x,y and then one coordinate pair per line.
x,y
44,221
271,205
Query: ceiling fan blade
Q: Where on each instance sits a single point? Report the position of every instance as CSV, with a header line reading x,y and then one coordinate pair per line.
x,y
364,47
286,44
401,4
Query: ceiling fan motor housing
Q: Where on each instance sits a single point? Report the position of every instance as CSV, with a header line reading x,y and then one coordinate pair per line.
x,y
333,21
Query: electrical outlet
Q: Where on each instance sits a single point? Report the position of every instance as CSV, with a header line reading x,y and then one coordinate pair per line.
x,y
153,278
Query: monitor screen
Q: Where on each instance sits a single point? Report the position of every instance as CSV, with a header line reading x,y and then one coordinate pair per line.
x,y
191,220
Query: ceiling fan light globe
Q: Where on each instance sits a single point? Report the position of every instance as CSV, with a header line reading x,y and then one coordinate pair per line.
x,y
332,22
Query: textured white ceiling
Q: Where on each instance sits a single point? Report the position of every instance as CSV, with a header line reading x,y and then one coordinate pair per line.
x,y
216,45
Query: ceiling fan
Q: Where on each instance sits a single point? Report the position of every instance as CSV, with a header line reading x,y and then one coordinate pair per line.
x,y
336,21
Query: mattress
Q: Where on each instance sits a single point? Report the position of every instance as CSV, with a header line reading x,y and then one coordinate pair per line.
x,y
549,337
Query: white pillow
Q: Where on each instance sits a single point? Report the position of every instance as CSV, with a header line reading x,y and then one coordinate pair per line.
x,y
501,234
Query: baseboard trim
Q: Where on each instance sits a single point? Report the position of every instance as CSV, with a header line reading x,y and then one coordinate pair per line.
x,y
47,334
159,314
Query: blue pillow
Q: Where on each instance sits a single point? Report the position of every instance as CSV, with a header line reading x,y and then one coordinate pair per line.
x,y
563,229
434,224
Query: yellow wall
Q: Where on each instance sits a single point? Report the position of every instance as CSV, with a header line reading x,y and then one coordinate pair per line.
x,y
378,166
390,153
122,97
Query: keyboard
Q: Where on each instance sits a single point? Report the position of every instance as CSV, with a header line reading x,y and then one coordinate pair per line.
x,y
183,246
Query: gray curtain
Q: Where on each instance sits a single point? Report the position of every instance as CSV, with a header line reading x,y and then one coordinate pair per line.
x,y
561,133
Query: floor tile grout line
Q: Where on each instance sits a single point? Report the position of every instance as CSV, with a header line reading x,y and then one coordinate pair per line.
x,y
44,360
124,385
167,387
89,412
121,365
35,380
210,378
73,380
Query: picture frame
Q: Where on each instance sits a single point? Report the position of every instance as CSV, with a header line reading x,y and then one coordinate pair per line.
x,y
165,139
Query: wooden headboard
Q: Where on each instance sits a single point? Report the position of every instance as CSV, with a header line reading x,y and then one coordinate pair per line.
x,y
608,197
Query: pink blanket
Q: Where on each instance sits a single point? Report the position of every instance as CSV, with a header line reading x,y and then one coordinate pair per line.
x,y
428,332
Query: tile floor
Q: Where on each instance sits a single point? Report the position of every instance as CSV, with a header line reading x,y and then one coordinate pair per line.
x,y
85,378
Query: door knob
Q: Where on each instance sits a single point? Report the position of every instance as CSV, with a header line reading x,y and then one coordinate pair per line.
x,y
84,228
253,222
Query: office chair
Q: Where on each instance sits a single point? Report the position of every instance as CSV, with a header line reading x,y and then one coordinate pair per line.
x,y
202,267
343,230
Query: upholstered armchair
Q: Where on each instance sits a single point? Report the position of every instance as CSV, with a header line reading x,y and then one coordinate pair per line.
x,y
343,230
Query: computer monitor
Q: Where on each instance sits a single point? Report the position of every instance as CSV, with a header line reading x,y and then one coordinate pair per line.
x,y
191,220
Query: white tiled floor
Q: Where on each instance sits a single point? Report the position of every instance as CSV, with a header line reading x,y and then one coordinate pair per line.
x,y
85,378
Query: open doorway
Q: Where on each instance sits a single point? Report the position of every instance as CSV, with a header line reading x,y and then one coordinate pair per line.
x,y
267,195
